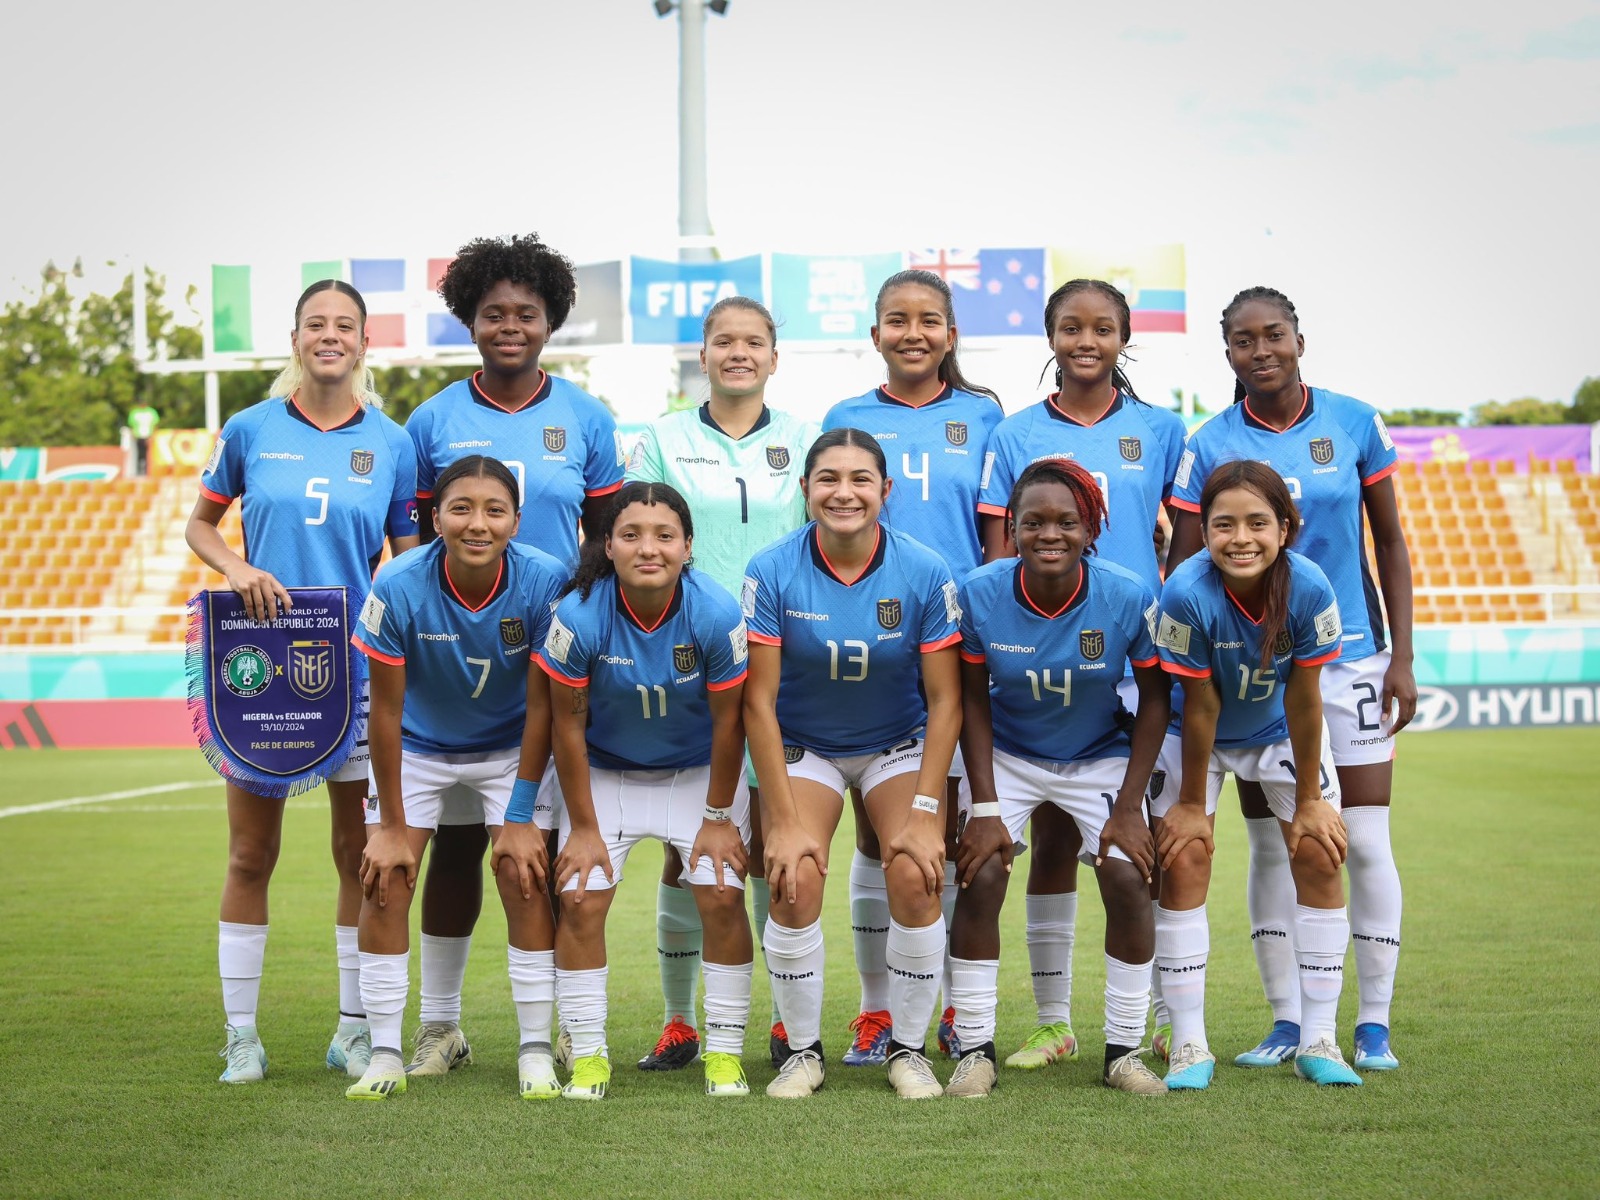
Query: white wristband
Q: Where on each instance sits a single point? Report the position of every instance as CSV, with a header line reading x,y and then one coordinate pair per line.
x,y
927,804
719,815
989,808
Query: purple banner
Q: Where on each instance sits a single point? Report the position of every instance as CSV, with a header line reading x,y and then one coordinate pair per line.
x,y
272,701
1425,443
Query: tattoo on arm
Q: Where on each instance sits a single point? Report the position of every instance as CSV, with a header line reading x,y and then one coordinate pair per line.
x,y
580,700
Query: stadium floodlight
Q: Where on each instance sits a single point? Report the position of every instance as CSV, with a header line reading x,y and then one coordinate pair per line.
x,y
663,7
720,7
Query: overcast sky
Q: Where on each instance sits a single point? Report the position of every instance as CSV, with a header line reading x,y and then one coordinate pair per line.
x,y
1420,177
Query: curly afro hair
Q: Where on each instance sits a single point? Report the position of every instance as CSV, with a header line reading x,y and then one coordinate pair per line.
x,y
525,261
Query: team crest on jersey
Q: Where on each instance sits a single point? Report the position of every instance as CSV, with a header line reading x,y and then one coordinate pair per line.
x,y
777,457
361,462
311,672
555,439
1158,784
684,659
1283,643
793,754
889,613
246,671
1322,451
1131,450
1092,643
512,631
955,432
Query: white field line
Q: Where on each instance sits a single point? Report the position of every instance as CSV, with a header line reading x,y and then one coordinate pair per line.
x,y
118,810
131,793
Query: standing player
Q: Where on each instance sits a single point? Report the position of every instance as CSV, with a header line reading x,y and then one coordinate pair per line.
x,y
647,662
562,445
322,476
1247,627
848,617
936,425
1044,640
1131,449
1338,460
738,464
449,630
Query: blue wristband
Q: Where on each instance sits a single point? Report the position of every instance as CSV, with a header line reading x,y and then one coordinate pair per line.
x,y
523,793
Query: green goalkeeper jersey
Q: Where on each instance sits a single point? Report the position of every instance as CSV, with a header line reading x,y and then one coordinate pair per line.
x,y
744,493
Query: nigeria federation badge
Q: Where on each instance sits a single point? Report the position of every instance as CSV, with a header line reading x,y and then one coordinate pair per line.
x,y
889,613
1092,643
512,632
683,659
777,457
1283,643
793,754
1130,448
246,671
361,462
1322,451
555,439
955,432
311,672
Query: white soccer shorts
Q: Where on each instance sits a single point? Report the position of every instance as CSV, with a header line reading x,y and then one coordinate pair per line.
x,y
860,771
355,767
1273,768
478,786
1351,697
1085,791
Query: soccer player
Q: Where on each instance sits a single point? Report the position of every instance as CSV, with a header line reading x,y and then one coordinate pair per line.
x,y
1247,627
1131,449
322,477
562,445
936,425
1338,460
847,617
1044,638
449,630
647,661
737,463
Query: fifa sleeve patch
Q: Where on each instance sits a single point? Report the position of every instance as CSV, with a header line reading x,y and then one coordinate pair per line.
x,y
1175,635
636,458
1329,627
952,603
988,470
747,598
741,643
558,642
1383,431
215,460
622,447
1150,617
372,614
1185,469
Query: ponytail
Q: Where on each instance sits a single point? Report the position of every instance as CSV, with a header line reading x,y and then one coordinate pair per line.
x,y
364,385
949,369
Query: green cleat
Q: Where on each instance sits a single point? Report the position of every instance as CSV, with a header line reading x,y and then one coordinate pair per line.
x,y
385,1076
590,1075
536,1072
724,1075
1045,1045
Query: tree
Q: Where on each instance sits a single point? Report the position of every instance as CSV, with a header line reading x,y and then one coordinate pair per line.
x,y
1422,416
1586,402
1529,410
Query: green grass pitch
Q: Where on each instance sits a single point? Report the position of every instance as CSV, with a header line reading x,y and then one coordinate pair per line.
x,y
110,1020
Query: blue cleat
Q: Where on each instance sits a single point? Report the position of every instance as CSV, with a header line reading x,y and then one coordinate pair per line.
x,y
1192,1068
1323,1065
948,1041
1372,1049
1276,1048
871,1045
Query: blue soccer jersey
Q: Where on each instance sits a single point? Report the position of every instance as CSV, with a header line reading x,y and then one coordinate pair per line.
x,y
852,664
1053,675
935,452
1204,633
466,668
1333,449
316,503
649,688
1132,450
562,445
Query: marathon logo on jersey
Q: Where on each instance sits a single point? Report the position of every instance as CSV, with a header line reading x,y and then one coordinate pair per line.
x,y
361,461
1130,448
889,613
793,754
1158,784
778,457
1092,643
955,432
311,672
1283,643
555,439
1322,451
246,671
684,659
512,632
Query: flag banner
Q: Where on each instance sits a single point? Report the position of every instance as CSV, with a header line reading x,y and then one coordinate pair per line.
x,y
272,702
1433,443
828,297
596,319
1151,277
1004,297
668,300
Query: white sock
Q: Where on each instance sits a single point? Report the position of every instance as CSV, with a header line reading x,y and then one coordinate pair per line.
x,y
727,1006
916,960
582,996
533,991
760,902
1158,1003
1375,905
678,938
795,961
1183,942
1269,895
1127,1001
385,980
241,949
349,955
1321,936
947,905
444,970
869,928
974,993
1052,925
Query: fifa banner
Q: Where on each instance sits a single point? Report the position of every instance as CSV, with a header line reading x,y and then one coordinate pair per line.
x,y
272,702
668,301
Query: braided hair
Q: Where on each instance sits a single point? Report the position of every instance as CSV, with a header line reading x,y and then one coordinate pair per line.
x,y
1112,293
1266,295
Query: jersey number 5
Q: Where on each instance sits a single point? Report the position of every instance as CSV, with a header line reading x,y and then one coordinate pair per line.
x,y
312,493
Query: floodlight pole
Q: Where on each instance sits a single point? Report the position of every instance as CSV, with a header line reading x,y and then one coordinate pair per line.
x,y
694,218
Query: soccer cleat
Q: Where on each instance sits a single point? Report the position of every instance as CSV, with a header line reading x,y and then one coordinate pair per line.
x,y
911,1075
1372,1049
1192,1068
590,1074
1324,1066
247,1057
1129,1074
564,1050
385,1076
871,1047
351,1049
974,1075
725,1075
949,1043
536,1072
1045,1045
678,1046
1161,1044
778,1046
1276,1048
440,1048
800,1076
